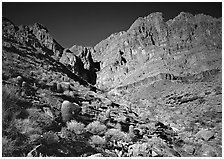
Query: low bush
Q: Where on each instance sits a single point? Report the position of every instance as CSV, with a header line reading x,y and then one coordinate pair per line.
x,y
7,147
117,135
76,127
97,141
10,107
96,128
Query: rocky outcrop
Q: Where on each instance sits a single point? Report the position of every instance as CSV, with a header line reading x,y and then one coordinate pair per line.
x,y
181,46
35,36
202,76
79,60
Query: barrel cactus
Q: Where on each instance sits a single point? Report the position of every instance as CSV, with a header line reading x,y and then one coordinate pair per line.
x,y
59,88
54,86
24,84
19,80
108,113
68,110
67,93
131,129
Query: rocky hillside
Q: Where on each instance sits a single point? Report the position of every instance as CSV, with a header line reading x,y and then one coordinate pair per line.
x,y
185,45
36,38
154,90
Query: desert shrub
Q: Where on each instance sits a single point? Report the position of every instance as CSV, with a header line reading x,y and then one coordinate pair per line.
x,y
41,119
76,127
28,127
97,141
117,135
7,147
10,106
50,138
15,144
96,128
34,139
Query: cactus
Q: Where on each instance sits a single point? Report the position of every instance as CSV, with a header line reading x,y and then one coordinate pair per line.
x,y
66,93
108,113
32,73
71,93
19,80
24,84
59,88
131,129
68,110
54,87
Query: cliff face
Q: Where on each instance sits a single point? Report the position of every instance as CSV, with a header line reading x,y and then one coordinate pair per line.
x,y
79,60
181,46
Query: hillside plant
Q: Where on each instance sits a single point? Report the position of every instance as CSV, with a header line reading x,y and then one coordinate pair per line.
x,y
96,128
97,142
76,127
10,107
117,135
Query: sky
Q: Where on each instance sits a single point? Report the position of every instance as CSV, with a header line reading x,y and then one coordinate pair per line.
x,y
89,23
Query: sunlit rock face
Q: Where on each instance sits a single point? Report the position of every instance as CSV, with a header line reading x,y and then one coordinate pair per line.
x,y
181,46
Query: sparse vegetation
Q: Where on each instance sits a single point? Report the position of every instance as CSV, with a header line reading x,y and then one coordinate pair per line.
x,y
96,128
10,107
97,141
116,135
76,127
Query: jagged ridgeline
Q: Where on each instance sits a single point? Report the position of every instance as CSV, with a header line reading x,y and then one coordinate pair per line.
x,y
181,46
154,90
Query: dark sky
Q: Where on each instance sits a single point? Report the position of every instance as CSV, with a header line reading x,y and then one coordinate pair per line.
x,y
87,24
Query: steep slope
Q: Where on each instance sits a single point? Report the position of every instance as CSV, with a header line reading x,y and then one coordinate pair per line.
x,y
35,41
185,45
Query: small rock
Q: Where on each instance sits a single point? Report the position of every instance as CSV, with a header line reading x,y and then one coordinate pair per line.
x,y
189,149
205,134
174,127
108,113
96,155
154,154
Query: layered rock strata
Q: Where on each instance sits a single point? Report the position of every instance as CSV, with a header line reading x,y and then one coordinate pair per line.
x,y
185,45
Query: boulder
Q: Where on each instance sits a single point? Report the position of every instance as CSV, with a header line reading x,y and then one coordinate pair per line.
x,y
205,134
